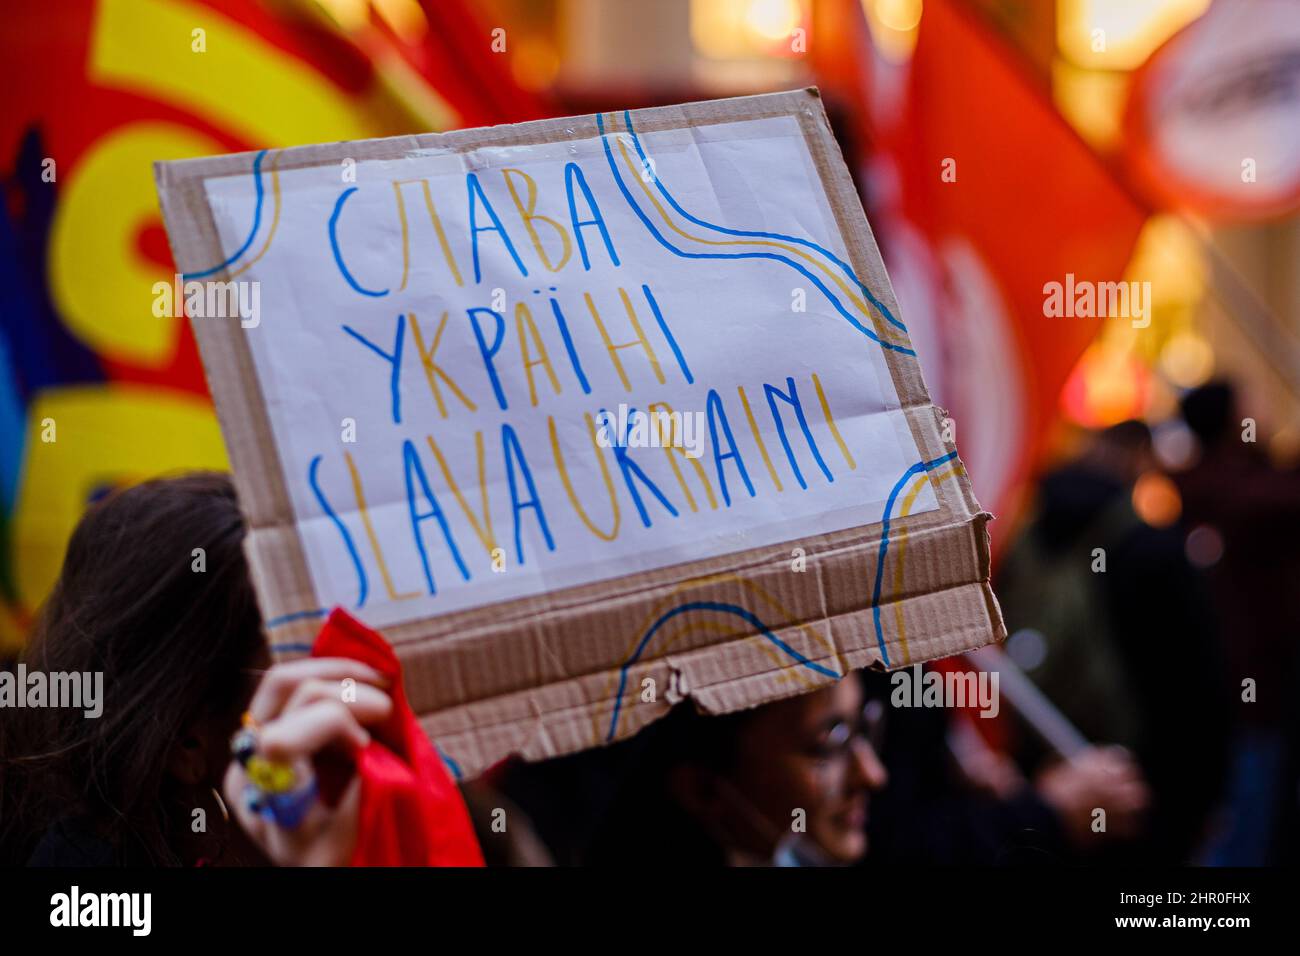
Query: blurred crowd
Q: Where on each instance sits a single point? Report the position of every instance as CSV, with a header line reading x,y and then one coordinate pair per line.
x,y
1154,604
1150,598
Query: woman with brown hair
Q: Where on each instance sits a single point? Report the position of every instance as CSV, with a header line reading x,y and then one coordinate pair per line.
x,y
155,595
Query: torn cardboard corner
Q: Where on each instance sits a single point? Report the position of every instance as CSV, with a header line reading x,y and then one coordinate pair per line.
x,y
587,415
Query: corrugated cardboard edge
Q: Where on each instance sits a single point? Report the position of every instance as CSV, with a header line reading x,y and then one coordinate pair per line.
x,y
540,676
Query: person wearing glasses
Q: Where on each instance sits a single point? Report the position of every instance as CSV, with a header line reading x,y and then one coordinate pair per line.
x,y
786,784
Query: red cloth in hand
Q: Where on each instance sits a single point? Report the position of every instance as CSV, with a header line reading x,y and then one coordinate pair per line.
x,y
411,812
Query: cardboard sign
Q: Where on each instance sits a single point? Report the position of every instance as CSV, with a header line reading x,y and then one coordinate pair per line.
x,y
588,415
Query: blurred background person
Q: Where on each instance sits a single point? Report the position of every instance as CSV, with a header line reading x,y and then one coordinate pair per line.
x,y
953,800
1244,519
833,777
1110,619
505,832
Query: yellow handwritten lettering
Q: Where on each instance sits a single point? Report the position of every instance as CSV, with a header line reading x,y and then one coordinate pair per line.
x,y
528,214
370,533
613,349
432,370
524,315
437,228
486,536
673,450
568,484
758,438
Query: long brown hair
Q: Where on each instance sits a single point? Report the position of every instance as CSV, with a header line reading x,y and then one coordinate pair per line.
x,y
173,643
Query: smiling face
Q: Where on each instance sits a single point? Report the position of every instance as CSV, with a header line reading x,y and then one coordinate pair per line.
x,y
808,753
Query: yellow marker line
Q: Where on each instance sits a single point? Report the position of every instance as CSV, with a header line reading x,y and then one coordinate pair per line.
x,y
568,484
787,673
370,533
830,423
793,250
275,219
672,450
598,731
486,537
758,439
901,549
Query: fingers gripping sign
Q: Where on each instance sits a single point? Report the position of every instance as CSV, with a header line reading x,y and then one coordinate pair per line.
x,y
299,717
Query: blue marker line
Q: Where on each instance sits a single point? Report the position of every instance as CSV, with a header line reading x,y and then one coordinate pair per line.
x,y
290,648
563,324
739,255
740,612
257,221
847,269
338,253
295,616
343,529
672,340
884,543
394,379
451,764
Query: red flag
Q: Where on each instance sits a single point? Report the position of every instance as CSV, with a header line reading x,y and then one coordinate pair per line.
x,y
983,195
411,813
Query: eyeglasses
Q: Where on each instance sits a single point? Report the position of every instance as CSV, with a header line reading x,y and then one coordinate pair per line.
x,y
838,742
